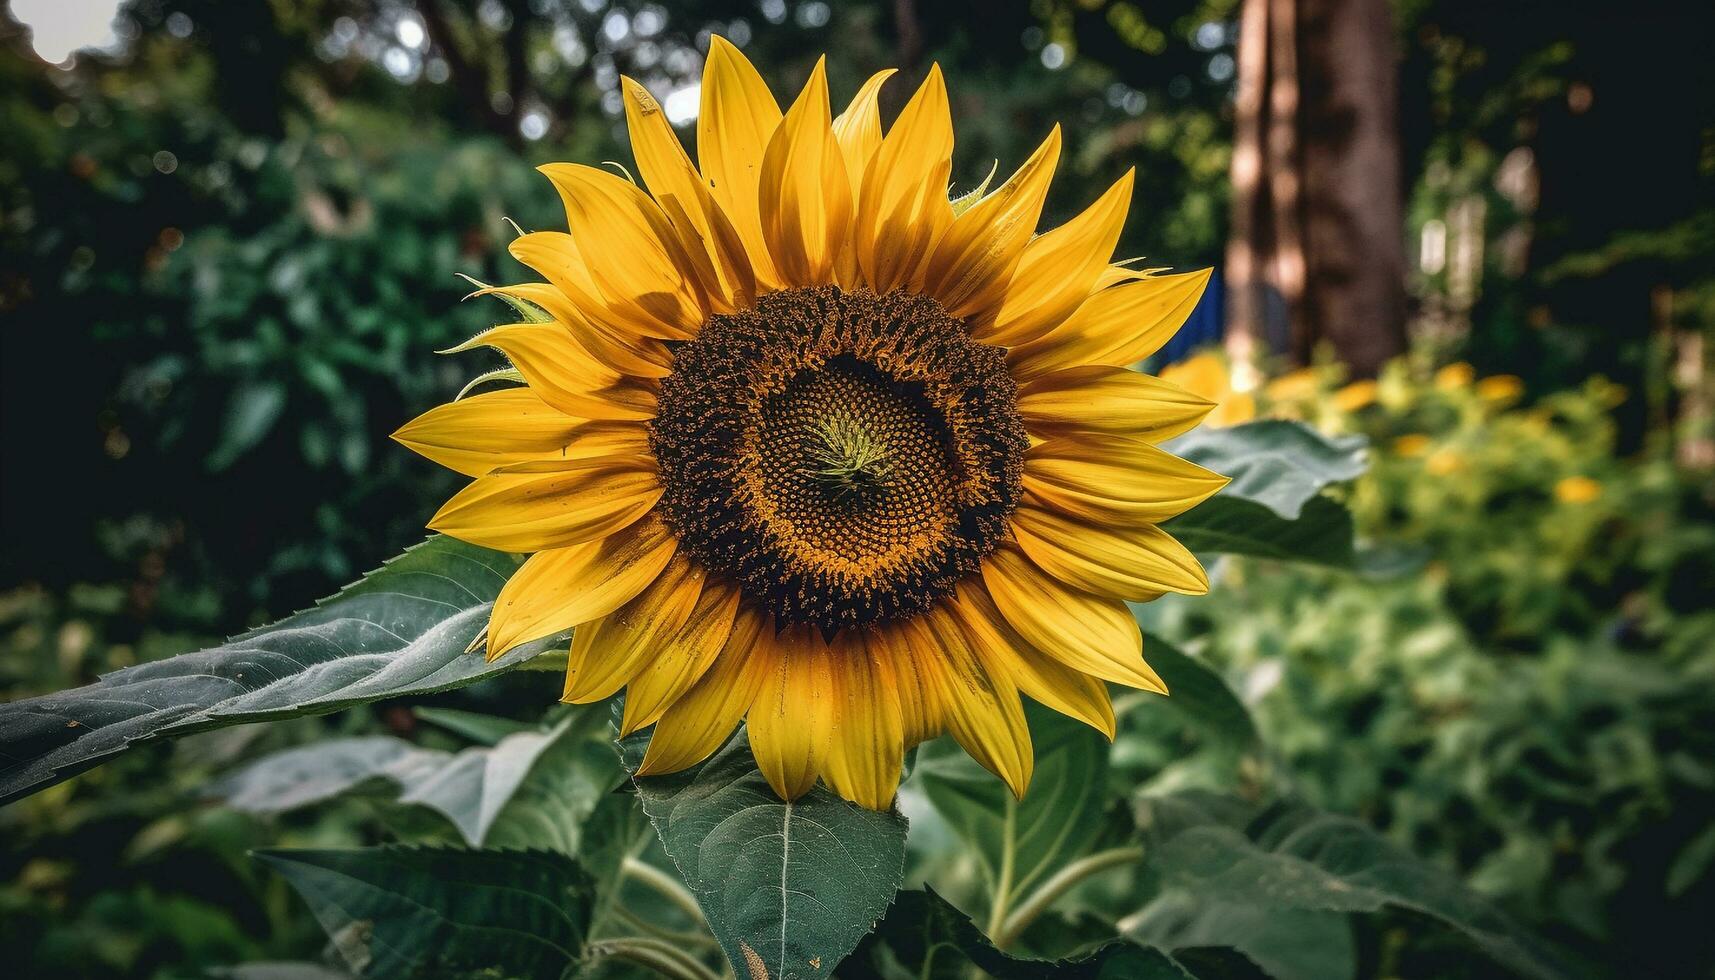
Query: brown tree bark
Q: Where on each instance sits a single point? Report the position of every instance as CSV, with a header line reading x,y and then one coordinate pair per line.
x,y
1317,198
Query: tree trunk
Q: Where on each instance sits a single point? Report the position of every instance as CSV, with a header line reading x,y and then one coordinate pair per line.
x,y
1317,253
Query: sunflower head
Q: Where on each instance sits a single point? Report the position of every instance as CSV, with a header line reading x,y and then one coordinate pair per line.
x,y
801,444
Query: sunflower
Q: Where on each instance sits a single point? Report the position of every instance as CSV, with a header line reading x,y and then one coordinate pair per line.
x,y
804,444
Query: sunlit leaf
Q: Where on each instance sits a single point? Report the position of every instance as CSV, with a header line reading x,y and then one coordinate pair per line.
x,y
1278,464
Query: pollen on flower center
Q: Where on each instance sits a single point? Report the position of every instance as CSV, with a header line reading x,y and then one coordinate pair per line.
x,y
846,458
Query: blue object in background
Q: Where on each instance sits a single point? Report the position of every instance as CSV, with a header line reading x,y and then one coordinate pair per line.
x,y
1202,329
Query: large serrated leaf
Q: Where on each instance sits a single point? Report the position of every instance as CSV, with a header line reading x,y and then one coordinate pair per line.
x,y
1021,842
1224,524
401,630
925,938
413,912
789,888
1296,859
1278,464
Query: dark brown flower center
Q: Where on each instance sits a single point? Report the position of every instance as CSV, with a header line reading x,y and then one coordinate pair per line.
x,y
844,457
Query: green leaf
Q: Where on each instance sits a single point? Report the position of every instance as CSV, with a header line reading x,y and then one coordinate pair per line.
x,y
1200,695
791,887
1296,859
925,938
1021,842
400,631
1224,524
1288,944
279,971
410,912
1278,464
250,416
551,806
292,779
473,726
532,789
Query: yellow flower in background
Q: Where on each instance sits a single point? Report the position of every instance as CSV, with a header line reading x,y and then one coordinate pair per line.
x,y
1355,396
1292,386
1206,376
1411,446
799,446
1444,462
1454,376
1577,490
1500,389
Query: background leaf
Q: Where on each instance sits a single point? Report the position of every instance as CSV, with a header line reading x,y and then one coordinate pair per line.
x,y
1199,694
401,630
1278,464
531,789
1231,525
410,912
1055,822
793,886
1296,859
924,928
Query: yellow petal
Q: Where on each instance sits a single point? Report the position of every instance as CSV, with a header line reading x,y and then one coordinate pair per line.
x,y
1059,270
682,660
806,199
476,434
531,511
974,261
1087,633
791,722
1115,479
1111,401
1118,326
981,705
737,119
608,652
700,721
1123,562
566,587
902,207
590,439
565,376
630,250
858,129
919,710
614,338
1071,692
868,750
724,272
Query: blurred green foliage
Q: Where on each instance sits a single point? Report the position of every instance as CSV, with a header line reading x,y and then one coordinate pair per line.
x,y
1531,699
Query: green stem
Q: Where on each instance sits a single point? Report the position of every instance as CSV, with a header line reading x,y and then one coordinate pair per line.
x,y
656,955
1003,888
1062,882
667,885
666,935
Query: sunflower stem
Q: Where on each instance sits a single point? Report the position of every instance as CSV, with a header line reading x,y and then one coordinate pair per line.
x,y
656,955
1062,882
666,885
1003,888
